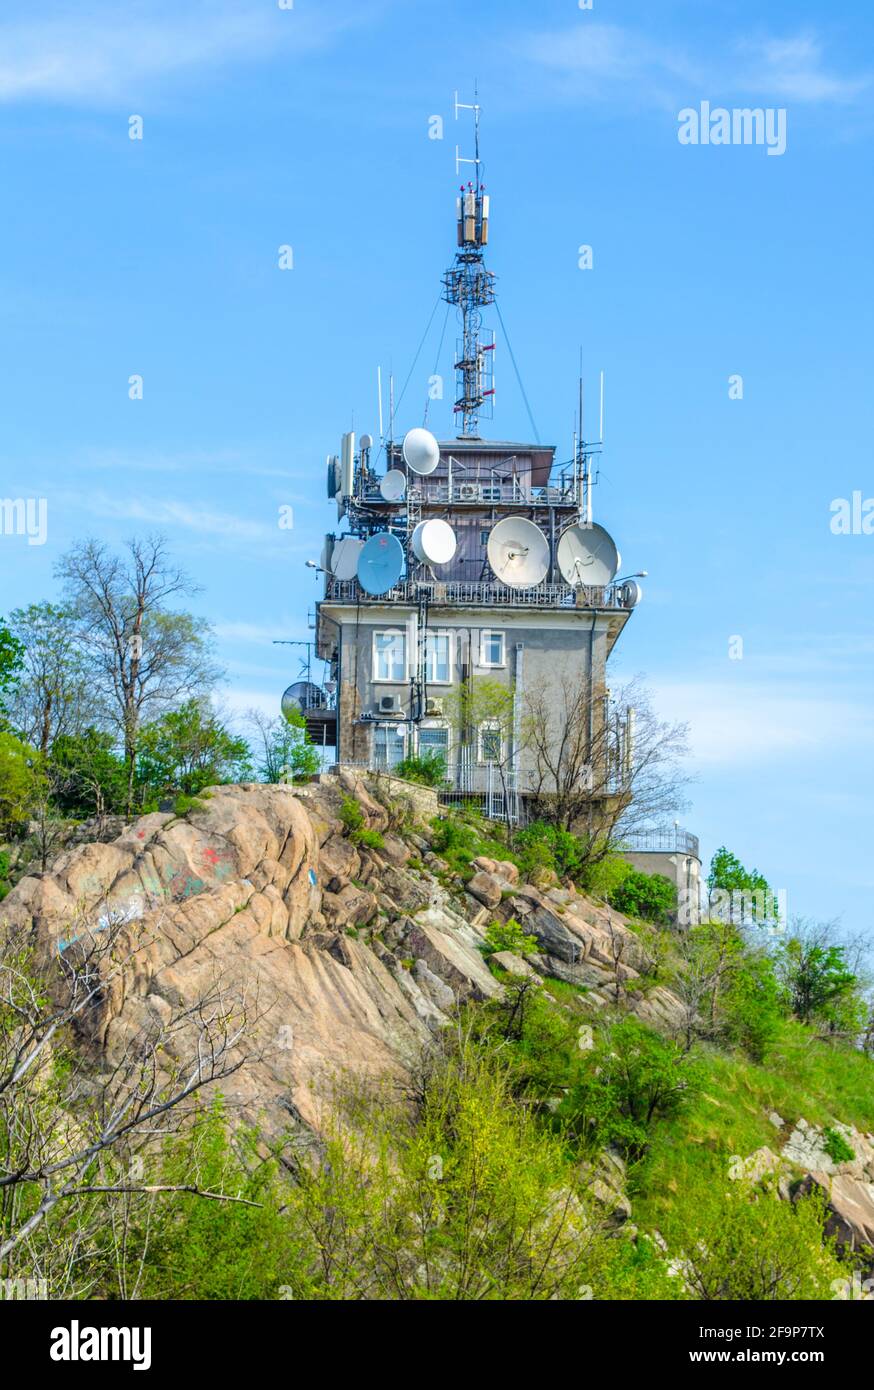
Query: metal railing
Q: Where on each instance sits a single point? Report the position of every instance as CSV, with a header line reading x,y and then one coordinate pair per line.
x,y
480,594
481,493
669,841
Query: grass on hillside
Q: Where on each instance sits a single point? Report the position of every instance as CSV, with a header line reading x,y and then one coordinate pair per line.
x,y
800,1078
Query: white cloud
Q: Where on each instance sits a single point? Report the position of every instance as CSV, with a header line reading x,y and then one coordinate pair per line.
x,y
595,61
734,725
169,513
794,69
103,51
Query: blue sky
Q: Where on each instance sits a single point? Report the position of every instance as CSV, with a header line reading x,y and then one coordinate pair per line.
x,y
309,127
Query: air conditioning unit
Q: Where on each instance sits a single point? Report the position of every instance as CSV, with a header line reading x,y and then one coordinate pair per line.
x,y
469,492
433,707
388,704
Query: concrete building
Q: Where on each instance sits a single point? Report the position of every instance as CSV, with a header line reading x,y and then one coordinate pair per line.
x,y
450,660
470,594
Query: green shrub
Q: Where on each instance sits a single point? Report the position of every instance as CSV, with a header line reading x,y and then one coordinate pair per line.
x,y
632,1079
429,769
836,1146
5,885
508,936
455,840
541,845
603,876
367,839
751,1246
195,1248
355,825
351,814
751,1007
651,897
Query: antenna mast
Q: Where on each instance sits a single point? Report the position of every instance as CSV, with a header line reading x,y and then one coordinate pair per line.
x,y
470,287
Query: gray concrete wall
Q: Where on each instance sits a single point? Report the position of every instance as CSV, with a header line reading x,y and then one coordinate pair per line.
x,y
684,871
543,651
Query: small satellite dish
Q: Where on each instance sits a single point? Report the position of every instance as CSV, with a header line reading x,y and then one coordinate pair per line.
x,y
344,557
421,451
518,552
588,555
393,485
366,441
433,542
631,593
381,563
302,695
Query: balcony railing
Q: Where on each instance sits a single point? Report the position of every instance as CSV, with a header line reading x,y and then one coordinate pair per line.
x,y
481,594
669,841
480,493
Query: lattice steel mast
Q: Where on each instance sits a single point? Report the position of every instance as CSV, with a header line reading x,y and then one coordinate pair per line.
x,y
470,287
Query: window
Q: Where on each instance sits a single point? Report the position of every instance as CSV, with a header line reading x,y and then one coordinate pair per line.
x,y
389,746
491,652
389,656
491,742
434,738
439,658
492,492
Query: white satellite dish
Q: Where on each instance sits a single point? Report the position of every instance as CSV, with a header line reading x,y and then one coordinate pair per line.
x,y
366,441
588,555
518,552
421,451
344,557
433,542
393,485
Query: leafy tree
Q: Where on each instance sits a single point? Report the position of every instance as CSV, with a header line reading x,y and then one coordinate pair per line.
x,y
20,781
651,897
729,988
52,695
143,658
740,895
86,776
187,750
284,751
752,1009
11,662
632,1079
819,982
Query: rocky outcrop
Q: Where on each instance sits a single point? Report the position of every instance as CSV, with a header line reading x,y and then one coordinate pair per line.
x,y
847,1184
348,957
